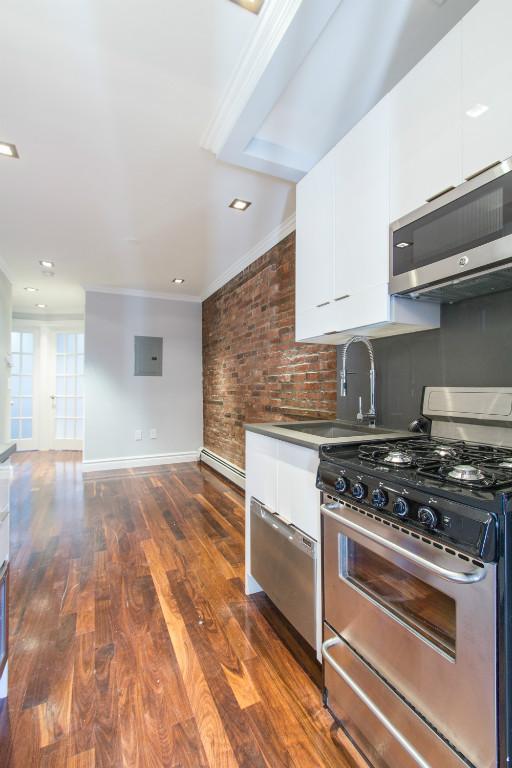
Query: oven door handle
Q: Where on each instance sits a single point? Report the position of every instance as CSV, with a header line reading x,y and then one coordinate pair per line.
x,y
381,717
468,577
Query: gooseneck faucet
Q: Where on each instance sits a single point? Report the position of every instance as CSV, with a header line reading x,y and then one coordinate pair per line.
x,y
371,416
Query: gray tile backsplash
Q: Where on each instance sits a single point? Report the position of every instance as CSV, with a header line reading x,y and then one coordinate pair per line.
x,y
472,348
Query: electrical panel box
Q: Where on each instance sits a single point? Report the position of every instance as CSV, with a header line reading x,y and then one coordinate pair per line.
x,y
148,355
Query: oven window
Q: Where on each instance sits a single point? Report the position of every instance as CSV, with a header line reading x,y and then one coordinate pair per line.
x,y
425,609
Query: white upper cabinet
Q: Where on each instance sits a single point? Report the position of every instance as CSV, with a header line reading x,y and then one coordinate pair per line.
x,y
425,128
361,207
342,269
315,236
486,83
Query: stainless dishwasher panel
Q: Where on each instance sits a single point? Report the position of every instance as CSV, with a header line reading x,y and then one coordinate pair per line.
x,y
283,562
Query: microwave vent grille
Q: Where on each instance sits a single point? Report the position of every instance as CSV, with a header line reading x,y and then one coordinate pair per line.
x,y
492,281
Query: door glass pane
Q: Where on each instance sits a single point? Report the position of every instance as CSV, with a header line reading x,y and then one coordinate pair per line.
x,y
21,383
26,364
26,429
68,405
27,343
420,606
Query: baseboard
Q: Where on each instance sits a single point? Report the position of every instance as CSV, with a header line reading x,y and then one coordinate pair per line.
x,y
128,462
224,467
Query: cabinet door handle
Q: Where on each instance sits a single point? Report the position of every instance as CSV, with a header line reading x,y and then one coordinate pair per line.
x,y
483,170
330,333
323,304
340,298
440,194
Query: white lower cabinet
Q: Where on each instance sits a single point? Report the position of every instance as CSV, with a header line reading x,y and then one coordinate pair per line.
x,y
282,476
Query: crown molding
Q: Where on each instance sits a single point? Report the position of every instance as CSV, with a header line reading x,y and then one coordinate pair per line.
x,y
273,238
276,17
140,294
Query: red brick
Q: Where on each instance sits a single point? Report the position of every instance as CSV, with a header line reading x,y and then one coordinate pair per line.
x,y
253,370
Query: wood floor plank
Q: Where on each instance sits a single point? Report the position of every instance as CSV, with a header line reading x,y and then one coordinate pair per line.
x,y
213,736
132,642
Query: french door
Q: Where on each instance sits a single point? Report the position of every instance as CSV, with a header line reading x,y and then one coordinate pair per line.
x,y
67,356
24,347
46,387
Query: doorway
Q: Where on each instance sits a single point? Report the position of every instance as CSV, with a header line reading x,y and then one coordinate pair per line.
x,y
46,386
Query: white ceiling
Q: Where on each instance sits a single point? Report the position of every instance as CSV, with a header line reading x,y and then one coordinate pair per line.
x,y
106,101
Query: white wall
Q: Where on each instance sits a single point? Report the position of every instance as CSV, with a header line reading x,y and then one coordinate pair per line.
x,y
117,403
5,348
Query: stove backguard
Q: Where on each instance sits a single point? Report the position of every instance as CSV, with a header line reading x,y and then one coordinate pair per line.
x,y
476,414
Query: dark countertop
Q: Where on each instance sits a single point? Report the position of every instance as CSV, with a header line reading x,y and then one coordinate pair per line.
x,y
277,429
6,449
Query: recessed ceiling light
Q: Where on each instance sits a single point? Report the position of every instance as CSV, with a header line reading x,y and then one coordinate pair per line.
x,y
476,110
403,245
179,280
239,205
9,150
29,289
47,273
47,264
41,306
250,5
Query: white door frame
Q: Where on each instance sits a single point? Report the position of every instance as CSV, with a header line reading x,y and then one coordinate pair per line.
x,y
44,380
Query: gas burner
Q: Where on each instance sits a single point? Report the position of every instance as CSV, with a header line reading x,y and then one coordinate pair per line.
x,y
445,451
398,458
466,473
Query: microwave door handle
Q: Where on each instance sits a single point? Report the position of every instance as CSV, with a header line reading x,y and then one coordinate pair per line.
x,y
381,717
469,577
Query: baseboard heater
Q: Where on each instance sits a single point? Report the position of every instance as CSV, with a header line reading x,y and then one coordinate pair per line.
x,y
226,468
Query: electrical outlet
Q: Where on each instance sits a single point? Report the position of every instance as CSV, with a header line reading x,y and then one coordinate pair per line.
x,y
152,434
138,434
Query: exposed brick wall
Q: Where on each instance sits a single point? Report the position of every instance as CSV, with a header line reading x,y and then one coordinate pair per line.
x,y
253,370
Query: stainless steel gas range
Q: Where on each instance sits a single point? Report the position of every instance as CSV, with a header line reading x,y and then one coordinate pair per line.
x,y
417,586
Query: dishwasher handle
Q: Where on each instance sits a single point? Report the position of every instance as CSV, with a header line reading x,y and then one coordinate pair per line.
x,y
293,535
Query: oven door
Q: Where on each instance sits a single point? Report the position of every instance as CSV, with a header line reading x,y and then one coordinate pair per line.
x,y
422,617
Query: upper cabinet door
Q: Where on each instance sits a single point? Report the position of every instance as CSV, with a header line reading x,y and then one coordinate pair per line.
x,y
315,236
486,81
425,128
362,205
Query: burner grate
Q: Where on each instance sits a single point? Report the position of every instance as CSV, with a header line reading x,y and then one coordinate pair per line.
x,y
436,459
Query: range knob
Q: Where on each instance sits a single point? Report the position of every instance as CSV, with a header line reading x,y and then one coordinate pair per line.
x,y
359,491
427,517
341,484
379,498
401,507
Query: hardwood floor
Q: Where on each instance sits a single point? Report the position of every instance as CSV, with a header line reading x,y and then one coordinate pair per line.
x,y
132,642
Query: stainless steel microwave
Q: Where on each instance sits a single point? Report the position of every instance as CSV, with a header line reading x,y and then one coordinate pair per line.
x,y
458,245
